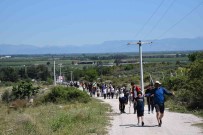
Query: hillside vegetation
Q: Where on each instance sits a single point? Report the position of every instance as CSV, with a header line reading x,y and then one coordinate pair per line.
x,y
63,110
59,111
188,86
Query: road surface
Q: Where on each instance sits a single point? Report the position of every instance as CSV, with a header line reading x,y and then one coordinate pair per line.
x,y
173,123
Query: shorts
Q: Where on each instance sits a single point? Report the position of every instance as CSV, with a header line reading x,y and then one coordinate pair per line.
x,y
159,108
122,100
140,113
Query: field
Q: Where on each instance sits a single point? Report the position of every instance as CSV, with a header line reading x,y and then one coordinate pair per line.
x,y
89,118
67,59
55,119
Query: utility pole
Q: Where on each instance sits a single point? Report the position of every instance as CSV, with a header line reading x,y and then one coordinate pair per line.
x,y
60,65
71,75
151,80
25,68
54,74
163,75
141,65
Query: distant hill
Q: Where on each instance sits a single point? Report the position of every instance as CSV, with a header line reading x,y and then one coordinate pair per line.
x,y
170,44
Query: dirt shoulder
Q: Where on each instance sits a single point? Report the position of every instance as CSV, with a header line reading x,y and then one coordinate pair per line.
x,y
173,123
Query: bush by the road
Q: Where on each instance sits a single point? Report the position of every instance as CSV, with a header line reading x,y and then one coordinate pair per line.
x,y
61,94
22,90
189,86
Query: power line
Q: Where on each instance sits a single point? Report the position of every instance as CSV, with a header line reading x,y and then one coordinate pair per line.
x,y
141,29
181,19
158,22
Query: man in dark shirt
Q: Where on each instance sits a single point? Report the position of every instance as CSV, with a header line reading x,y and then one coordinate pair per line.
x,y
150,99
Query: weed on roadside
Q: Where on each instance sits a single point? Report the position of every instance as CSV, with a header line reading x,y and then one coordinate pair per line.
x,y
56,119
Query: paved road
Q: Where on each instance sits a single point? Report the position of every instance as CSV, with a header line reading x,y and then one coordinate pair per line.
x,y
173,123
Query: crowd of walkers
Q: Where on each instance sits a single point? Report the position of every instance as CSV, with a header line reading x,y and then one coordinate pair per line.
x,y
154,95
106,90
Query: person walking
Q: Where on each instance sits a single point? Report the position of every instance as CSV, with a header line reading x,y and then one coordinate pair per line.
x,y
104,90
117,93
158,93
112,90
140,108
122,101
150,99
108,91
135,90
126,94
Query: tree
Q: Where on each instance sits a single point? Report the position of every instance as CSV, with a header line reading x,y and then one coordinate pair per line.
x,y
21,91
195,84
42,73
189,85
91,75
195,56
117,61
9,74
32,72
48,63
177,62
39,72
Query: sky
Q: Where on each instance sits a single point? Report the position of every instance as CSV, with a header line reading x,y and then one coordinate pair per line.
x,y
80,22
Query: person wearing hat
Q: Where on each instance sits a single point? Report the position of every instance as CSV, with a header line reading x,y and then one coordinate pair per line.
x,y
158,93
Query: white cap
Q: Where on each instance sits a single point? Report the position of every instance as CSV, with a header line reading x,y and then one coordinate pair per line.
x,y
157,82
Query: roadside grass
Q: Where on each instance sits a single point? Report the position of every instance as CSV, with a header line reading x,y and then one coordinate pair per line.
x,y
199,125
56,119
175,107
3,88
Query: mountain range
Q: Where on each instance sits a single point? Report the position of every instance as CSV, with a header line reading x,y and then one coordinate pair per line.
x,y
114,46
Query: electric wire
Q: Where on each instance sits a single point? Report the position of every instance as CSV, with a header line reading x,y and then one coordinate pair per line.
x,y
160,19
142,28
180,20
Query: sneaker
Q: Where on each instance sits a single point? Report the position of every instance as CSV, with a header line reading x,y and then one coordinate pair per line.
x,y
160,123
142,123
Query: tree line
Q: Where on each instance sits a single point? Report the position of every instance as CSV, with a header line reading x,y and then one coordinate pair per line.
x,y
189,85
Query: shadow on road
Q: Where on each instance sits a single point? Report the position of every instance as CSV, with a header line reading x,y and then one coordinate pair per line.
x,y
135,125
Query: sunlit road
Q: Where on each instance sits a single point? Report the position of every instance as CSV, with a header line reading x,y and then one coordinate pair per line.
x,y
173,123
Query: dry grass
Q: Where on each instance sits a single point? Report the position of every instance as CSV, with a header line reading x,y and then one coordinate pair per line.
x,y
51,119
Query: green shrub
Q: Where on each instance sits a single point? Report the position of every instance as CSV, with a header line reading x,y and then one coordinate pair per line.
x,y
189,86
23,90
4,83
66,94
6,96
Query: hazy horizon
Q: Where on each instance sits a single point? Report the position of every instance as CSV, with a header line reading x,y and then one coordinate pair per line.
x,y
60,23
115,46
